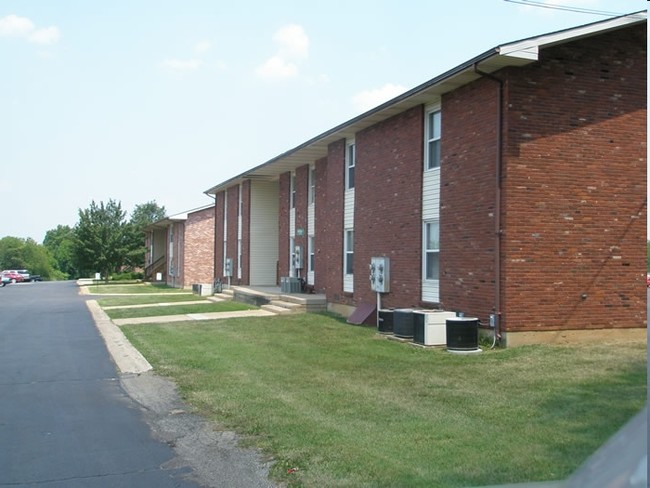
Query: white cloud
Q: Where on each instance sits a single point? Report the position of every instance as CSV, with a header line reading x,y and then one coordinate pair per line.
x,y
293,46
49,35
14,26
23,28
188,64
202,47
182,64
368,99
293,42
277,68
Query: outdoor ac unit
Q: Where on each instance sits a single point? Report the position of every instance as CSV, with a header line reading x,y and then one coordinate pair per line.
x,y
430,327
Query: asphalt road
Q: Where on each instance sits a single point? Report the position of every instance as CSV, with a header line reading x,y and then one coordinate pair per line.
x,y
69,419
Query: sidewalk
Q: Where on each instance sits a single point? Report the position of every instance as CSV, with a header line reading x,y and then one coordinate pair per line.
x,y
193,316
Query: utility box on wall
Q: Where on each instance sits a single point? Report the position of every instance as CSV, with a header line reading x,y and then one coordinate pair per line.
x,y
298,258
227,267
380,274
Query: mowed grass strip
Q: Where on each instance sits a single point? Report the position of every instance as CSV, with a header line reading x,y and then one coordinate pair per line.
x,y
147,300
154,311
136,289
349,408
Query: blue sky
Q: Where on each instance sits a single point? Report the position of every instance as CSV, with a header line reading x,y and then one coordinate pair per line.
x,y
161,100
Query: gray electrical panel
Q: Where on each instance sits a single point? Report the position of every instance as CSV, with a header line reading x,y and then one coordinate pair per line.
x,y
380,274
298,262
227,267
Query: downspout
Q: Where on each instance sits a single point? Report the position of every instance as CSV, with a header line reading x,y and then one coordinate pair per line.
x,y
498,232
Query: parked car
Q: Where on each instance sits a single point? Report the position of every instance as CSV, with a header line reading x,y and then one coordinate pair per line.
x,y
24,273
12,276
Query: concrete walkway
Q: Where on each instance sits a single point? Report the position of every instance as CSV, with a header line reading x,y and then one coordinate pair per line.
x,y
193,316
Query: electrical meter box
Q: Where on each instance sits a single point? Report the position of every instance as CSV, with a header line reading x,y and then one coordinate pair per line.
x,y
298,258
380,274
227,267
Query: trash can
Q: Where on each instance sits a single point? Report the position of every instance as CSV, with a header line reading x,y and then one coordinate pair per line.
x,y
403,323
462,334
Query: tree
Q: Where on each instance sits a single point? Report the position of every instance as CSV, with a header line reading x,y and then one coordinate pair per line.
x,y
12,253
142,216
17,253
101,238
60,243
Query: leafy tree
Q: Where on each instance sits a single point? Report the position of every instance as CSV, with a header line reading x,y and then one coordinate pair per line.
x,y
17,253
12,253
60,243
142,216
101,238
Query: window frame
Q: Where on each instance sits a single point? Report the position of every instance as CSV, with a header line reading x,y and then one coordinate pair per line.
x,y
292,190
311,262
428,252
312,185
431,137
348,252
350,164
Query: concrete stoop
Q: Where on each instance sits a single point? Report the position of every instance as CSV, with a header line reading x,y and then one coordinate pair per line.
x,y
273,300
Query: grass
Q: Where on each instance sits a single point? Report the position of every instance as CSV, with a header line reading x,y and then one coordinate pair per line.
x,y
350,408
121,301
153,311
135,289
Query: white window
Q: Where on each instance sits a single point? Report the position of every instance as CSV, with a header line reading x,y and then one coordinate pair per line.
x,y
350,163
312,185
432,137
310,250
431,250
349,252
292,190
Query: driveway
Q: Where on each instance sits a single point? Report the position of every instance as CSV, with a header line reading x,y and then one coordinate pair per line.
x,y
69,419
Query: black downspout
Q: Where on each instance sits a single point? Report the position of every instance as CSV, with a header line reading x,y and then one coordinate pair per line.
x,y
497,220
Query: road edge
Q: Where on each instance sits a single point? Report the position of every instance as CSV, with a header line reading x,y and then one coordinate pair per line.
x,y
127,358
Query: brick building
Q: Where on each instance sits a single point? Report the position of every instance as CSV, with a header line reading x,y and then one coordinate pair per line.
x,y
180,248
513,185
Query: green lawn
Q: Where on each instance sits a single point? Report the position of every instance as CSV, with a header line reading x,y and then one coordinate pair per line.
x,y
350,408
135,289
121,301
153,311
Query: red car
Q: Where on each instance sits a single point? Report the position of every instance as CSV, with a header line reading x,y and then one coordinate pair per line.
x,y
12,277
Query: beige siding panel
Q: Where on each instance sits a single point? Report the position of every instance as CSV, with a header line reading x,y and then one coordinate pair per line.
x,y
431,195
430,211
264,233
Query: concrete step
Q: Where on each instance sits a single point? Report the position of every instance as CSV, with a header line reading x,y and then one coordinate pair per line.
x,y
225,294
277,309
298,307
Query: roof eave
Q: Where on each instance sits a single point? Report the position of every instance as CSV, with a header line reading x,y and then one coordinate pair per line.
x,y
514,54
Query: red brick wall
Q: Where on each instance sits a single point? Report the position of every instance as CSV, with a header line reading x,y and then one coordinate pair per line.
x,y
575,217
467,199
388,207
322,213
283,238
302,186
198,247
329,221
218,234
